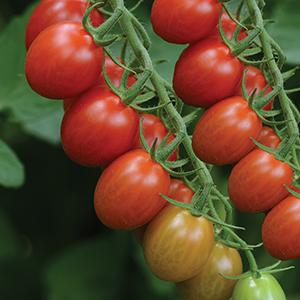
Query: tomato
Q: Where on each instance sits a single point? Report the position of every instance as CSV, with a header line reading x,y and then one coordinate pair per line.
x,y
114,73
206,73
256,182
63,61
153,128
254,79
97,128
127,193
281,229
264,288
176,244
268,138
228,27
222,134
183,22
48,12
208,284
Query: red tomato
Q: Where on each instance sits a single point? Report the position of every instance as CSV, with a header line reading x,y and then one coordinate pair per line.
x,y
97,128
48,12
254,79
114,73
127,193
176,244
183,22
63,61
208,284
268,138
206,73
281,229
228,27
256,182
222,134
153,128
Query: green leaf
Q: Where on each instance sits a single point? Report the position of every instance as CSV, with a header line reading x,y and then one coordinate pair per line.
x,y
12,174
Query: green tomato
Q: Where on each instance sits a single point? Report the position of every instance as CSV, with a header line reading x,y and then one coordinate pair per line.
x,y
264,288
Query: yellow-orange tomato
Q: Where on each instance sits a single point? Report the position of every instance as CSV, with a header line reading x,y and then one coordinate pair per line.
x,y
208,284
177,244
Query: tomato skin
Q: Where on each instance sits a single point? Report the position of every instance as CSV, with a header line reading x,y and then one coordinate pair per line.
x,y
127,193
153,128
208,283
48,12
197,19
206,73
264,288
177,244
281,229
222,134
256,182
97,128
268,138
63,61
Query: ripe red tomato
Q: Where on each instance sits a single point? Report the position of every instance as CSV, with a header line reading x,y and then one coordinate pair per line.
x,y
127,193
176,244
268,138
97,128
153,128
254,79
228,27
256,182
63,61
114,73
206,73
48,12
222,134
183,22
208,284
281,229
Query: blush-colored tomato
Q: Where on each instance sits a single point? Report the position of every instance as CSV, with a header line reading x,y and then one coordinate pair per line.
x,y
48,12
183,22
222,134
63,61
281,229
268,138
176,244
127,194
153,128
208,284
97,128
206,73
256,182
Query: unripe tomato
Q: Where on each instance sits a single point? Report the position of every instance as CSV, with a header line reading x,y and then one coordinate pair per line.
x,y
48,12
281,229
208,284
222,134
127,194
176,244
264,288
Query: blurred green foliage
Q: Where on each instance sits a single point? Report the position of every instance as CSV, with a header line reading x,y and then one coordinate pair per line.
x,y
52,245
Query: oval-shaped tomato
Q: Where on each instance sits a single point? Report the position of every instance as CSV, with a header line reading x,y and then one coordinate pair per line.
x,y
281,229
208,284
222,134
97,128
254,79
268,138
206,73
48,12
256,182
176,244
264,288
127,193
183,22
63,61
154,128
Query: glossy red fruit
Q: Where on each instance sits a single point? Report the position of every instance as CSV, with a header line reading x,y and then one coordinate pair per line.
x,y
268,138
